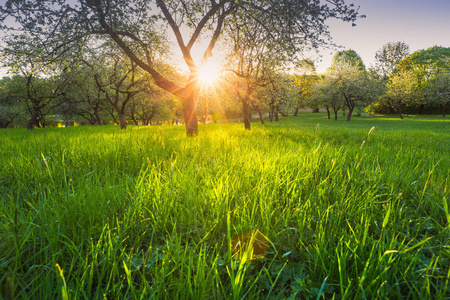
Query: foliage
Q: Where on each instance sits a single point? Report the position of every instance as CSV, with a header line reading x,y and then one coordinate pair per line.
x,y
11,106
348,57
304,81
278,94
426,63
401,90
55,27
389,56
438,91
326,94
347,78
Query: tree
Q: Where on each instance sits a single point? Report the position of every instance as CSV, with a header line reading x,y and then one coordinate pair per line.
x,y
278,94
326,93
151,103
401,90
90,102
438,91
118,79
426,65
250,59
387,59
351,80
389,56
43,83
136,26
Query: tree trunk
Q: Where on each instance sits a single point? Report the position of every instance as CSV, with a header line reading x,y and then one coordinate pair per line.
x,y
245,112
190,116
271,115
389,110
335,115
328,112
349,115
98,117
32,122
260,115
399,113
295,112
123,122
443,110
66,119
277,118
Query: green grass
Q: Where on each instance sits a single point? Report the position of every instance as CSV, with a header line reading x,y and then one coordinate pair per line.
x,y
99,213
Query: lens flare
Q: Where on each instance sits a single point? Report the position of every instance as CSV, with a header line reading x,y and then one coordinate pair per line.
x,y
209,72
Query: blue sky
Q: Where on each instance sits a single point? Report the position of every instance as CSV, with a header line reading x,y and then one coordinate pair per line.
x,y
420,24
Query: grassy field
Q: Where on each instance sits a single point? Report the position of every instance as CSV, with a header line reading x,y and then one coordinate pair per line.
x,y
307,208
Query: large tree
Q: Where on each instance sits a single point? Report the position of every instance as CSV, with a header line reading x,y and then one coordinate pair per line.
x,y
56,25
425,64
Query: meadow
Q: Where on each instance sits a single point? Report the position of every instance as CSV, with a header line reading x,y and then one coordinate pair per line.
x,y
305,208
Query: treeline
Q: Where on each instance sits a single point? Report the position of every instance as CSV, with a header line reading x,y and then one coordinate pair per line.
x,y
399,82
108,86
100,88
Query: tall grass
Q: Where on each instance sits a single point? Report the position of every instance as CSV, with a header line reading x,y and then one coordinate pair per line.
x,y
95,212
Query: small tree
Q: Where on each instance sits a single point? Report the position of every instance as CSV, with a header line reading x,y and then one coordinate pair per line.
x,y
326,93
353,85
278,95
118,79
401,90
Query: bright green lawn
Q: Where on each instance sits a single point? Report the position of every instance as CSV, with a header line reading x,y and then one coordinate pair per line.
x,y
148,212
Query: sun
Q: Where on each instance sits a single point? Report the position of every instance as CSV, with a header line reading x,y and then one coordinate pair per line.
x,y
208,73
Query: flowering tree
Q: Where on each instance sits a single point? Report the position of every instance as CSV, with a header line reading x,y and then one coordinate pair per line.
x,y
401,90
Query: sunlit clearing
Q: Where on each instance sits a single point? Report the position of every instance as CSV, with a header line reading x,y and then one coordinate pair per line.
x,y
209,72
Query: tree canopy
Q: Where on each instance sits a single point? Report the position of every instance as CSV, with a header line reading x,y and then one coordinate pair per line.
x,y
389,56
140,28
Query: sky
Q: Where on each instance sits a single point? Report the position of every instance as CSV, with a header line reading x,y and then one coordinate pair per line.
x,y
419,23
